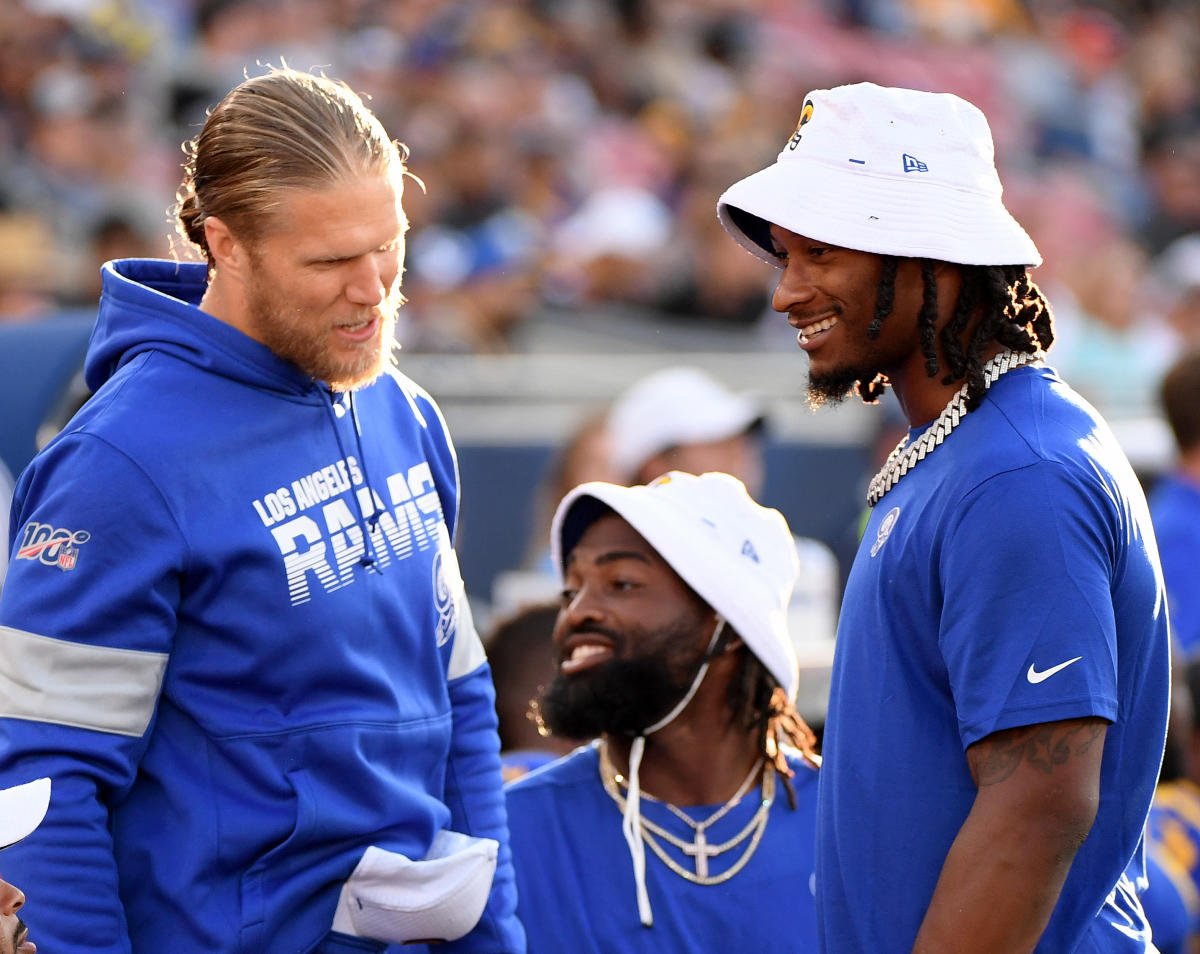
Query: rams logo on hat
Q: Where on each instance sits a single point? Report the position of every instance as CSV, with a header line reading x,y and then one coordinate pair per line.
x,y
805,116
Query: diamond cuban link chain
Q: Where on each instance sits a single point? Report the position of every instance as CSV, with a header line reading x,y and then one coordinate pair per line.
x,y
904,457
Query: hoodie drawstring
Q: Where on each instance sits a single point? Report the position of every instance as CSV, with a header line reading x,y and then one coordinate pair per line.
x,y
631,823
368,525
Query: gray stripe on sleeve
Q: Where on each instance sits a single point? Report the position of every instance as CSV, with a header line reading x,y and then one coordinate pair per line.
x,y
66,683
467,653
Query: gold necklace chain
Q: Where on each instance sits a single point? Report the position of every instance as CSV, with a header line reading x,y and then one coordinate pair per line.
x,y
701,826
698,848
904,457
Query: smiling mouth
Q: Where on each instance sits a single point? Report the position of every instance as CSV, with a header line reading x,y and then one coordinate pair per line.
x,y
584,655
816,327
359,330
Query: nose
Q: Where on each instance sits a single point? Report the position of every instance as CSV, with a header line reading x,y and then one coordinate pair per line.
x,y
372,278
793,288
582,608
11,898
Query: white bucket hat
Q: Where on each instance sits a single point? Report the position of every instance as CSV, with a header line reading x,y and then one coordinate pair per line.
x,y
737,555
22,809
673,406
884,170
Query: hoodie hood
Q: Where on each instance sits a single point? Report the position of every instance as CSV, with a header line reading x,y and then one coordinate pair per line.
x,y
153,305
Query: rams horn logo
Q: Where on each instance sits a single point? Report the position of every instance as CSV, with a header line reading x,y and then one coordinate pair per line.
x,y
805,116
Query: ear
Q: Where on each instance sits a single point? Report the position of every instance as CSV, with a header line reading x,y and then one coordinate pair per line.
x,y
229,253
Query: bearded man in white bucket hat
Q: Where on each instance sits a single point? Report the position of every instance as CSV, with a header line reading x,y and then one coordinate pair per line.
x,y
676,830
22,808
1000,687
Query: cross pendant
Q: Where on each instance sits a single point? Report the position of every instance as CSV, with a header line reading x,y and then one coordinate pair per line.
x,y
701,851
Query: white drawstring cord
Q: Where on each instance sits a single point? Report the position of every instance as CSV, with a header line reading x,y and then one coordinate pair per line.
x,y
631,823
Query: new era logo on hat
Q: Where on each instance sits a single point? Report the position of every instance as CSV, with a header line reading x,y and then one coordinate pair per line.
x,y
891,171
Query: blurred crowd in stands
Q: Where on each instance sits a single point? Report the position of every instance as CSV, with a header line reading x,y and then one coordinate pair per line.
x,y
568,155
571,151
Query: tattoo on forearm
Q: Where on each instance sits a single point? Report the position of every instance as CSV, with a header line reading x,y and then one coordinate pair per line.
x,y
1043,746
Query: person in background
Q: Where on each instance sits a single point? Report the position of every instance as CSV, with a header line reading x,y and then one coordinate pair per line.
x,y
237,635
520,653
1178,275
691,818
684,418
1001,680
1175,502
22,808
1170,888
584,454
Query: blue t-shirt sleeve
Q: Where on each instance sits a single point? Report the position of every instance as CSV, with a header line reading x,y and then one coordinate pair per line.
x,y
1028,631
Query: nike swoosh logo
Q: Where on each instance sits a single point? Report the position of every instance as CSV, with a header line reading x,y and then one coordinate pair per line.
x,y
1035,677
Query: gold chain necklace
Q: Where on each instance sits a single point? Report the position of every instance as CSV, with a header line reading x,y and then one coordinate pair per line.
x,y
906,456
699,847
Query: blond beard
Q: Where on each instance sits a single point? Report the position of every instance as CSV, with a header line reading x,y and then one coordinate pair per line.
x,y
290,337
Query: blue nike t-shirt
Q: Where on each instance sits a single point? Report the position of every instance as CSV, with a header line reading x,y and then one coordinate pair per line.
x,y
1009,579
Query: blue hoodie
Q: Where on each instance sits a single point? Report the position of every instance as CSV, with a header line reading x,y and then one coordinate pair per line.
x,y
235,635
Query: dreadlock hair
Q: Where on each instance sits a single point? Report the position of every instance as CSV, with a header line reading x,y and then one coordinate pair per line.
x,y
758,702
1013,313
885,297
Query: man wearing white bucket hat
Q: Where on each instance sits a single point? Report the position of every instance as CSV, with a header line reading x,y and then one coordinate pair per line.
x,y
1000,687
22,808
672,646
684,418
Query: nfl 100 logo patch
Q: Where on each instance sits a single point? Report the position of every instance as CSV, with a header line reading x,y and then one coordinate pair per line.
x,y
51,546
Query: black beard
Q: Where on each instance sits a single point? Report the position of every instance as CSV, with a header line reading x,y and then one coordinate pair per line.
x,y
621,696
832,387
